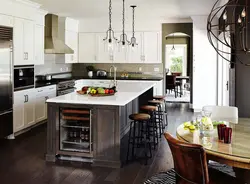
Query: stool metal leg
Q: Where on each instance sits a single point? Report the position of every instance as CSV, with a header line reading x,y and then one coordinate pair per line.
x,y
129,141
133,144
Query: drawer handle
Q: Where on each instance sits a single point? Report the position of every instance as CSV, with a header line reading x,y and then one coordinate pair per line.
x,y
40,90
51,88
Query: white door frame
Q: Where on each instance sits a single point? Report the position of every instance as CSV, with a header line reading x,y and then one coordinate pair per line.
x,y
223,74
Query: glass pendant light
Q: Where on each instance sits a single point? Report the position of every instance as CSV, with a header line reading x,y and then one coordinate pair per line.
x,y
123,43
110,40
133,42
172,52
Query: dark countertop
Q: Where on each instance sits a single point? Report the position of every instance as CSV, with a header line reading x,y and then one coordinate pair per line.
x,y
121,78
53,82
43,84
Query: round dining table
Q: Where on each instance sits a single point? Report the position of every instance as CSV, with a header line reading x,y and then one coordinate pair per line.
x,y
236,154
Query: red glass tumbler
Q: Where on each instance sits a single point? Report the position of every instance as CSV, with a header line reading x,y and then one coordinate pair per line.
x,y
221,128
228,135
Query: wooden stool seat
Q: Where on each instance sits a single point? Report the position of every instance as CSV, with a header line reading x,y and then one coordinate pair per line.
x,y
159,97
155,101
139,117
149,108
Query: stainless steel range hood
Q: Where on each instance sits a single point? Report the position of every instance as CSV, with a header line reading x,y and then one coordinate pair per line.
x,y
55,36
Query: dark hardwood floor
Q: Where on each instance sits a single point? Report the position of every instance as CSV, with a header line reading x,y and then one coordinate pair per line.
x,y
22,160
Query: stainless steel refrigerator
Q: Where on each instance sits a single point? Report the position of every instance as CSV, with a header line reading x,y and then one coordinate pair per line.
x,y
6,85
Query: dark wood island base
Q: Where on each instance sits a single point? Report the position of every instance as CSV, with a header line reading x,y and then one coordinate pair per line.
x,y
108,125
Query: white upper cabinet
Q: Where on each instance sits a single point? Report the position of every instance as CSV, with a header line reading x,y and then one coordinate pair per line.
x,y
120,53
92,49
39,45
151,47
29,41
135,55
102,55
87,47
71,39
23,42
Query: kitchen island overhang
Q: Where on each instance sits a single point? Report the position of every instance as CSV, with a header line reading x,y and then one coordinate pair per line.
x,y
108,122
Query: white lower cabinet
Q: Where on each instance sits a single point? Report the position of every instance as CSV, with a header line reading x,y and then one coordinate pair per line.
x,y
40,104
24,109
30,106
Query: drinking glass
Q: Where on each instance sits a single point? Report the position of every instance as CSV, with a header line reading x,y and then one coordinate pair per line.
x,y
228,135
220,129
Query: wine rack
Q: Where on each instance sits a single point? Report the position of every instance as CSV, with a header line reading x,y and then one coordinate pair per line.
x,y
75,130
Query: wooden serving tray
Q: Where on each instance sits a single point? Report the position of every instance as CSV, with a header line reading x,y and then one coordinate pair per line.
x,y
100,95
81,92
95,95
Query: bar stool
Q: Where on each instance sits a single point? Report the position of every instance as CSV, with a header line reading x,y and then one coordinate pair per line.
x,y
159,114
162,98
140,130
153,128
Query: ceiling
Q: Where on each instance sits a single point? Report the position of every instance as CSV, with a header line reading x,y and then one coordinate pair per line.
x,y
146,8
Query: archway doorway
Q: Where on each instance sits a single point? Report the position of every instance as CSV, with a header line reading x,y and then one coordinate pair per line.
x,y
177,66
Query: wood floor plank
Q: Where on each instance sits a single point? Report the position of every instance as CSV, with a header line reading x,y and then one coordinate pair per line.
x,y
23,160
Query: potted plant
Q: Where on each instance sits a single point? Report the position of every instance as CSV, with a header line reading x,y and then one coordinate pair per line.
x,y
90,70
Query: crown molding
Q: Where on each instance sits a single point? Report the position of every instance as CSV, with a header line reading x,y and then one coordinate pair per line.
x,y
28,3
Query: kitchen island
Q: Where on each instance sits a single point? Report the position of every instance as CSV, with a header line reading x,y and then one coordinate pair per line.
x,y
105,119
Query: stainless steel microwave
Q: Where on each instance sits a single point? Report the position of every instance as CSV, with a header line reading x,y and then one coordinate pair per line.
x,y
23,77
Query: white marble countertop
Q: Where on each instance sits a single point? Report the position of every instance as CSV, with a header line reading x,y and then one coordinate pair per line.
x,y
127,91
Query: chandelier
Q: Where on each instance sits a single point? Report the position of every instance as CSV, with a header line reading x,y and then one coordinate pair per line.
x,y
124,43
133,41
110,39
231,31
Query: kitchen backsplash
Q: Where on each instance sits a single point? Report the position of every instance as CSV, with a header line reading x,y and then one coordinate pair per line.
x,y
145,69
53,64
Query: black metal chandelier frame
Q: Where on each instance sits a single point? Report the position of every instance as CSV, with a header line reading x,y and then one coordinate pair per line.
x,y
133,41
110,35
123,38
241,21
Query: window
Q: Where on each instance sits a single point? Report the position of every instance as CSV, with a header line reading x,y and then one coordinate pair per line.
x,y
176,60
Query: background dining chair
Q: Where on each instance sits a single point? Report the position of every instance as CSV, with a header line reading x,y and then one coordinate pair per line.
x,y
171,84
227,113
190,166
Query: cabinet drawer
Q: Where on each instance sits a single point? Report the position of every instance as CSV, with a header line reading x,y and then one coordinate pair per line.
x,y
46,89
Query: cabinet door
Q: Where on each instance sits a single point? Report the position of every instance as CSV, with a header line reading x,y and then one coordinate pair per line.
x,y
18,111
40,106
28,43
87,48
151,47
29,108
120,54
71,39
39,44
19,55
135,55
103,55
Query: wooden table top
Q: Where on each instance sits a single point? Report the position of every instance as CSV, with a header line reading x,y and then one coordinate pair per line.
x,y
238,151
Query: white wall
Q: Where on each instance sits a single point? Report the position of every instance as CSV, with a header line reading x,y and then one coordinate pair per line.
x,y
204,66
101,24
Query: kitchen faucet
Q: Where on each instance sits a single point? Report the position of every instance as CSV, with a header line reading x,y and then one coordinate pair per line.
x,y
110,74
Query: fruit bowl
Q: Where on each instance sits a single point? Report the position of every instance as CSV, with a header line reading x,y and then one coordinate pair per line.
x,y
97,91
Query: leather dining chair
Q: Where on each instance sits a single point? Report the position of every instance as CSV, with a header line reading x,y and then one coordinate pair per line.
x,y
190,166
